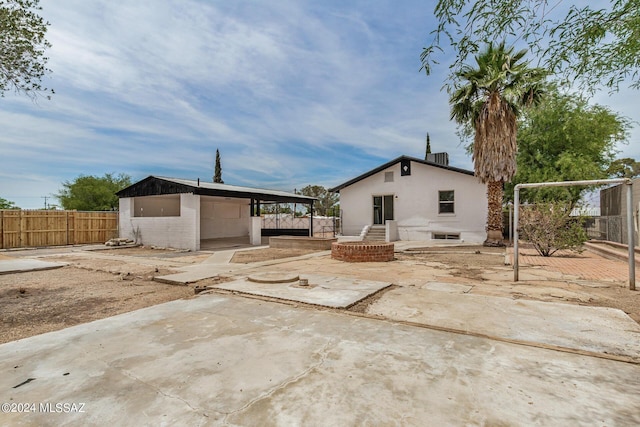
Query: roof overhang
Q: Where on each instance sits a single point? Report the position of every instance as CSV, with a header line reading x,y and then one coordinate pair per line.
x,y
156,186
387,165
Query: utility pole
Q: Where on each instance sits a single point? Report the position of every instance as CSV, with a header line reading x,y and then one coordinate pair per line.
x,y
45,201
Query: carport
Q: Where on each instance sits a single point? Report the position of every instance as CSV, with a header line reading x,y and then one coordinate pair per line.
x,y
181,213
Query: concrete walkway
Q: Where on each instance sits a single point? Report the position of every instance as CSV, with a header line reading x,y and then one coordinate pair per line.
x,y
19,265
228,360
605,331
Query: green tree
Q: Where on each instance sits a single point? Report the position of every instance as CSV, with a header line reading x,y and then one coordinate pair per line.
x,y
624,168
327,202
93,193
22,47
217,175
489,99
589,44
6,204
564,138
428,149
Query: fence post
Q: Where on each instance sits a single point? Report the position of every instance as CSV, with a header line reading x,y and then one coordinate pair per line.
x,y
67,212
75,226
21,229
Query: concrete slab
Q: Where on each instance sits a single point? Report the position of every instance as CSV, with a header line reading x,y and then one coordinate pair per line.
x,y
219,267
335,292
200,272
273,277
595,329
224,360
21,265
447,287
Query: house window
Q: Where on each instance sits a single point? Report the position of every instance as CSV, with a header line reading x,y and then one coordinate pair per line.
x,y
446,202
446,236
388,177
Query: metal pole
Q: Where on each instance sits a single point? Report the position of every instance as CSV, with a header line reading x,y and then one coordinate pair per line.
x,y
511,223
630,238
516,208
516,194
311,220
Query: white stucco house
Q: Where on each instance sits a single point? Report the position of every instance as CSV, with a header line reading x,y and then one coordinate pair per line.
x,y
413,199
181,213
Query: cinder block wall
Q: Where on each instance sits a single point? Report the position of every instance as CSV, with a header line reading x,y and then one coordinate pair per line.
x,y
180,232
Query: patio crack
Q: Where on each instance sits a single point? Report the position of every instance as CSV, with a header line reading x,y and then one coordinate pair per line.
x,y
267,394
158,390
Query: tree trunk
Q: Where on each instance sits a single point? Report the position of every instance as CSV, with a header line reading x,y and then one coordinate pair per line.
x,y
494,214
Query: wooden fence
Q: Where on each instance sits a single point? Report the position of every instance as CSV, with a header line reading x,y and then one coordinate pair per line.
x,y
37,228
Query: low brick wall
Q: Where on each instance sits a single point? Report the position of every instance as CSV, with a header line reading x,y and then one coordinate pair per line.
x,y
362,251
296,242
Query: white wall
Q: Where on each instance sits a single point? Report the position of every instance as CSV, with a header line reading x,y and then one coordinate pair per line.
x,y
181,232
166,205
220,218
416,203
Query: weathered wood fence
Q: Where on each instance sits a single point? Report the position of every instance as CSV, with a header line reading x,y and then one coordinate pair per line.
x,y
35,228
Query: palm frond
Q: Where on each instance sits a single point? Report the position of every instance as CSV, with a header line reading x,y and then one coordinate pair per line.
x,y
490,97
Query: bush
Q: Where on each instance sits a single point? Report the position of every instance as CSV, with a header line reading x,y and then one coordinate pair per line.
x,y
550,228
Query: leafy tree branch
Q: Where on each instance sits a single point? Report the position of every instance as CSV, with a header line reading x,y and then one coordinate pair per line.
x,y
22,48
589,45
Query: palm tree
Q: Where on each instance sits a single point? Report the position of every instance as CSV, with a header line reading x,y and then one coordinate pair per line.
x,y
489,98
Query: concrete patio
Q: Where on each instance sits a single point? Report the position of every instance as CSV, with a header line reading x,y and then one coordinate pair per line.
x,y
249,353
229,360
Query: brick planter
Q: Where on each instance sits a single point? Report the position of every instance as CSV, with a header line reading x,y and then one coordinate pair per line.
x,y
362,251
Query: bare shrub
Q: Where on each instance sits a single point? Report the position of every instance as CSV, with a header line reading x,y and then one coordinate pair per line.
x,y
550,228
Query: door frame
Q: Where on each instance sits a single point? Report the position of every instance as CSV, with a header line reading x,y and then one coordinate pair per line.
x,y
385,209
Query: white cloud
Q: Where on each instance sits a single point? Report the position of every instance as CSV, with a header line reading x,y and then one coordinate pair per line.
x,y
291,92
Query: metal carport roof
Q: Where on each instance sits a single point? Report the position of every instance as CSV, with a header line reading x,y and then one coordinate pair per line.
x,y
158,185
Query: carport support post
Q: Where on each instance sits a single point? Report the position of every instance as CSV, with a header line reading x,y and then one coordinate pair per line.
x,y
311,220
255,233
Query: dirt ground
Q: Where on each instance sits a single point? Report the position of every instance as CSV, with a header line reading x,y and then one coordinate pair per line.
x,y
99,284
36,302
258,255
93,286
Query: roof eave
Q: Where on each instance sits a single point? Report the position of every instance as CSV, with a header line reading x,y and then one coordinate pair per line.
x,y
387,165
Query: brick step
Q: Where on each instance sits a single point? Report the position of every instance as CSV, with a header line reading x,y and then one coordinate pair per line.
x,y
612,250
375,238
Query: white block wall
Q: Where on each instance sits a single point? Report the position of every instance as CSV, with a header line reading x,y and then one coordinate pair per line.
x,y
181,232
224,219
416,203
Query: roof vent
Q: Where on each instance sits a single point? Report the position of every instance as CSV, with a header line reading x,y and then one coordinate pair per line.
x,y
439,158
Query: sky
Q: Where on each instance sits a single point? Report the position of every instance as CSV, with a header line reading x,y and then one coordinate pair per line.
x,y
292,93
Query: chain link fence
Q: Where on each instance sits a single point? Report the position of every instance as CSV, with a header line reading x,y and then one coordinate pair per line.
x,y
604,228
